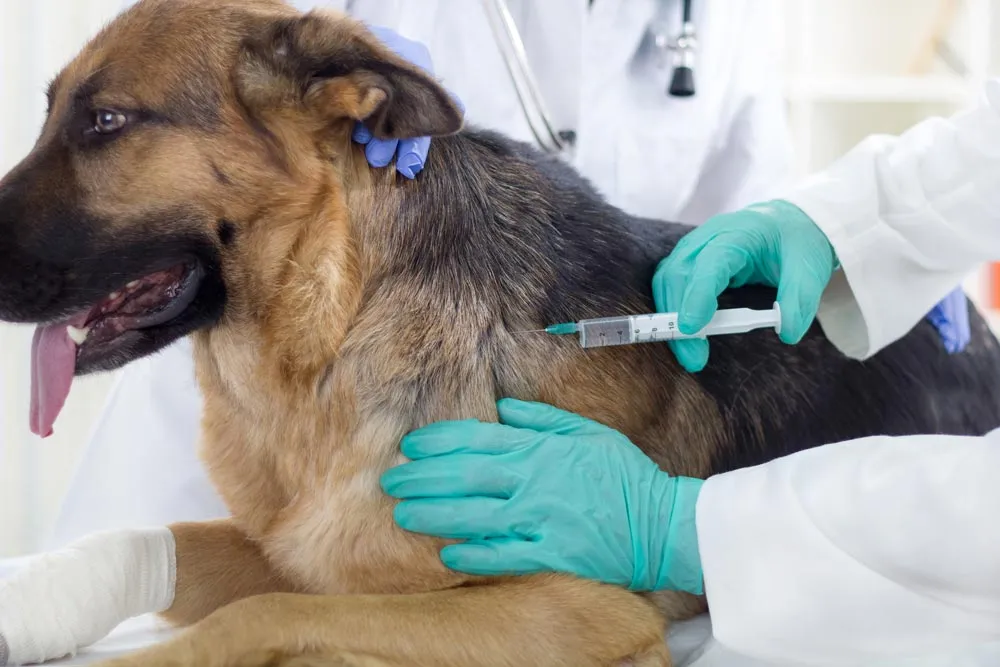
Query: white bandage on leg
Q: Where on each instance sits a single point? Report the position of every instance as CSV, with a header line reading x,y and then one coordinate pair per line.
x,y
70,598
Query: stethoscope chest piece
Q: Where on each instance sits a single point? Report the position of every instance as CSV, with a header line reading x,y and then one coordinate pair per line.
x,y
683,48
682,54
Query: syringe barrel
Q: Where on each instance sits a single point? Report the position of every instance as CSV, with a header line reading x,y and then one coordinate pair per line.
x,y
656,327
625,330
605,331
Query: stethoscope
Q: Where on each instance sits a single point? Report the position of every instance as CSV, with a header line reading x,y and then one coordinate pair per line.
x,y
681,49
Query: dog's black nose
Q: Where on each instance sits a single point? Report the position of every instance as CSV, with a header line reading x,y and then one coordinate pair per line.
x,y
29,284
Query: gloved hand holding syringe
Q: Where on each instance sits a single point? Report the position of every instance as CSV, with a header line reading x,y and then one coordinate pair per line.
x,y
655,327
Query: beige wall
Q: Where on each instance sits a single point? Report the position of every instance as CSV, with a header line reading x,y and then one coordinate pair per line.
x,y
36,38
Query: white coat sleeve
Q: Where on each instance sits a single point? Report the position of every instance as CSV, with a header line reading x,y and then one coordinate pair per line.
x,y
909,216
864,549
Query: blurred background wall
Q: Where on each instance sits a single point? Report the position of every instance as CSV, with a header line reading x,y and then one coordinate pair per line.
x,y
37,37
853,67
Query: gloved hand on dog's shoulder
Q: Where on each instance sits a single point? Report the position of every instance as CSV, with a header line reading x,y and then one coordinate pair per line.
x,y
546,490
410,154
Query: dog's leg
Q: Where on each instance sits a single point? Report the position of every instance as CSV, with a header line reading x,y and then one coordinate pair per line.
x,y
217,564
542,620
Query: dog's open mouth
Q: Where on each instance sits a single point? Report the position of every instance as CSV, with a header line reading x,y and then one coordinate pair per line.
x,y
100,330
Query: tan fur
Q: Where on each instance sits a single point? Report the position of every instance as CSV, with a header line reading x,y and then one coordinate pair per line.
x,y
206,552
311,569
537,620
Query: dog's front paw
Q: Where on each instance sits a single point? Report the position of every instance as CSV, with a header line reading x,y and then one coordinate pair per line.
x,y
201,645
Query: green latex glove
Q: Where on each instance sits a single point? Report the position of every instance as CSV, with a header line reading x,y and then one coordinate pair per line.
x,y
773,244
548,491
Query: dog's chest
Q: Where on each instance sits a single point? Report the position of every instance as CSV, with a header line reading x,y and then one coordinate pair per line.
x,y
320,516
330,528
301,472
338,536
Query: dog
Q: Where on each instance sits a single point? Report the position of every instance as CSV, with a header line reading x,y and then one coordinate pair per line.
x,y
195,176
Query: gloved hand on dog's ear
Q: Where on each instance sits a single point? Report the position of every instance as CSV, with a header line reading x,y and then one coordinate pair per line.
x,y
410,154
546,490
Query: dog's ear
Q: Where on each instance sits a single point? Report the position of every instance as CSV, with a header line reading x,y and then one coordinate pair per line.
x,y
335,68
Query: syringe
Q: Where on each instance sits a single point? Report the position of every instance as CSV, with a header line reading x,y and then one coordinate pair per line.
x,y
629,329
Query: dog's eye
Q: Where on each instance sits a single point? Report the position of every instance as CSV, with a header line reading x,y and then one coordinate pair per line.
x,y
107,122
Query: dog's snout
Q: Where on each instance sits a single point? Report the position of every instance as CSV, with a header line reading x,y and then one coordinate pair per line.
x,y
30,285
29,294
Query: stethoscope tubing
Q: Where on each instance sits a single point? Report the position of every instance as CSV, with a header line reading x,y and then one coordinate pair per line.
x,y
515,58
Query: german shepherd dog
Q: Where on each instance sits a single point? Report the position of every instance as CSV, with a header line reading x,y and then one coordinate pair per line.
x,y
195,176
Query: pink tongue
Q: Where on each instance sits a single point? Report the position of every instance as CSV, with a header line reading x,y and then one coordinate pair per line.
x,y
53,363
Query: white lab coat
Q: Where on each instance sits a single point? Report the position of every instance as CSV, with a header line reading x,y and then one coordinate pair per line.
x,y
879,547
652,154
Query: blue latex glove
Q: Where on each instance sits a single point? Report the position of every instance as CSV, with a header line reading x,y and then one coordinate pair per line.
x,y
772,243
547,490
951,318
410,154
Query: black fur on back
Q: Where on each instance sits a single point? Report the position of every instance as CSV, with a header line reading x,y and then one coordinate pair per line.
x,y
496,224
